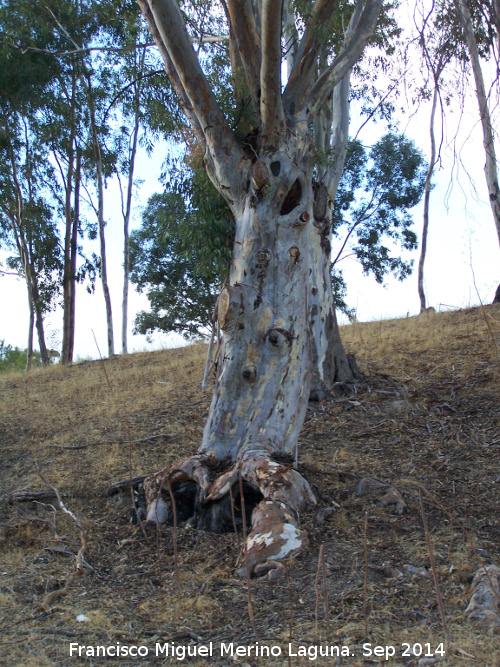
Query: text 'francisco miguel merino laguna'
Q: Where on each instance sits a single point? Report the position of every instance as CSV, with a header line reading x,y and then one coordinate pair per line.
x,y
181,651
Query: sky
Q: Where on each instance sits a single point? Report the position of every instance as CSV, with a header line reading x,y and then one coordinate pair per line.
x,y
463,253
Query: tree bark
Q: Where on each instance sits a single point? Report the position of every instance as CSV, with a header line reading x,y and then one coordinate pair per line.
x,y
263,375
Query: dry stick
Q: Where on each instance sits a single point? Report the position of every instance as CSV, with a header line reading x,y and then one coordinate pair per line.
x,y
119,442
232,510
290,595
247,565
365,585
83,543
325,592
434,571
467,535
316,589
174,535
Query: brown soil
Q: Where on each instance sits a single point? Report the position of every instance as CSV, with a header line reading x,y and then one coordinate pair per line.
x,y
428,415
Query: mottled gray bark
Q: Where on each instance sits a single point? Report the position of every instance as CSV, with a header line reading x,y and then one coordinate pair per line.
x,y
272,313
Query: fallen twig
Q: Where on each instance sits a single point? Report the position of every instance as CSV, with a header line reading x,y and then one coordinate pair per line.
x,y
174,510
83,543
166,436
27,496
434,571
365,583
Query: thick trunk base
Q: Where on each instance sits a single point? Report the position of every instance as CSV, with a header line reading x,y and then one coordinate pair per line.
x,y
274,495
345,380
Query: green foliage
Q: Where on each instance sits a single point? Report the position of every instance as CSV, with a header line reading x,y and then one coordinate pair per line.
x,y
376,192
14,359
181,254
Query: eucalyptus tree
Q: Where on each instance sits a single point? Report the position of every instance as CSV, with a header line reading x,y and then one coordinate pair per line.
x,y
276,308
27,224
140,92
180,255
437,50
63,124
469,27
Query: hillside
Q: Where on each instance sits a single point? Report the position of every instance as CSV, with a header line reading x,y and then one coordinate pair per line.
x,y
427,415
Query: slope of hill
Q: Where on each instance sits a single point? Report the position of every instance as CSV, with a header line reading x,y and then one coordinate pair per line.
x,y
427,415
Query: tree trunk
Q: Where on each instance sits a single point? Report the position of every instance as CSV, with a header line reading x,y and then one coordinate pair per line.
x,y
263,376
104,270
332,370
74,255
40,327
427,196
100,219
31,325
69,221
490,167
126,226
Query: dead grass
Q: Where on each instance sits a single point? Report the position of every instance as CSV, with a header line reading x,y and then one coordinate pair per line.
x,y
428,415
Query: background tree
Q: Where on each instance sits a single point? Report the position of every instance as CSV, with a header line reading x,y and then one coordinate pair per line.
x,y
181,255
26,217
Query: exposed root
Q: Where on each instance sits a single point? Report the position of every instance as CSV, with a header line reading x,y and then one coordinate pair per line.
x,y
275,492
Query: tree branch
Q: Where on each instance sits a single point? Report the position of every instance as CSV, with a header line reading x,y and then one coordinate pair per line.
x,y
359,32
340,138
301,76
171,72
247,41
186,74
271,104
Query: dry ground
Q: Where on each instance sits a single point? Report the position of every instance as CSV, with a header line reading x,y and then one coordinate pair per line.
x,y
427,416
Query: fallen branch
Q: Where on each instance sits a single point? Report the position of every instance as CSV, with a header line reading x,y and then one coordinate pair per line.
x,y
124,485
27,496
166,436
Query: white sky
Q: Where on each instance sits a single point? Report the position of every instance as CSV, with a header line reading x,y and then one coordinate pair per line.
x,y
462,237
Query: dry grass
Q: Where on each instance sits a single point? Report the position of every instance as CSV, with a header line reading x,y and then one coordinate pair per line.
x,y
428,415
